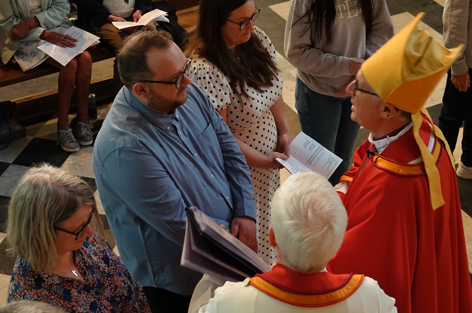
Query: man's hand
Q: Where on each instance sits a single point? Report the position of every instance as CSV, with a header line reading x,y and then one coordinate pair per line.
x,y
22,28
137,15
58,39
112,18
244,228
461,82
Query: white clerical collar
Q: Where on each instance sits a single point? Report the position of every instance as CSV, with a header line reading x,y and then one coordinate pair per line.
x,y
382,143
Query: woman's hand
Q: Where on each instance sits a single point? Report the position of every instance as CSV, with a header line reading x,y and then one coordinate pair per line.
x,y
271,162
283,143
461,82
137,15
23,27
112,18
58,39
355,66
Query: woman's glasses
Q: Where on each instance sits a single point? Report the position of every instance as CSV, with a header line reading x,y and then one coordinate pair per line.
x,y
79,233
245,23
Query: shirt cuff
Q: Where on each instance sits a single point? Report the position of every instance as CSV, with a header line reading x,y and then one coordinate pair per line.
x,y
245,208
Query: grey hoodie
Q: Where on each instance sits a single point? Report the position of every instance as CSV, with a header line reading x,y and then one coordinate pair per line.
x,y
457,19
325,68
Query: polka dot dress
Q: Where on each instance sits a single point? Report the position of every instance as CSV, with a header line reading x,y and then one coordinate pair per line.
x,y
251,121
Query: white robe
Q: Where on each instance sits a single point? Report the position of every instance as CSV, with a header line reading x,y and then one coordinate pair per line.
x,y
242,297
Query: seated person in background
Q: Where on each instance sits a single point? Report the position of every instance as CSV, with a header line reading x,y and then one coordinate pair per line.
x,y
23,23
26,306
405,222
62,258
97,16
308,225
162,148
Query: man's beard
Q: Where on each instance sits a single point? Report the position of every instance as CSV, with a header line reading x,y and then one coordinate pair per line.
x,y
160,105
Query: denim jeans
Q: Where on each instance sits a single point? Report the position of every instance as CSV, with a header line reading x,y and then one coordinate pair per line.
x,y
327,119
457,109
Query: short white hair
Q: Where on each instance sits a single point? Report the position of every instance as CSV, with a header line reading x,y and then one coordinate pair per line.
x,y
27,306
308,221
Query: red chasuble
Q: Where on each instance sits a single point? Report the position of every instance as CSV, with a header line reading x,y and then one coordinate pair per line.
x,y
416,254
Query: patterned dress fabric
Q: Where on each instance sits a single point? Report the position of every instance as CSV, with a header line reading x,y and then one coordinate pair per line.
x,y
107,285
250,120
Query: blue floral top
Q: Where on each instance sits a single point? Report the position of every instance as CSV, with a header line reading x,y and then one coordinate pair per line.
x,y
107,285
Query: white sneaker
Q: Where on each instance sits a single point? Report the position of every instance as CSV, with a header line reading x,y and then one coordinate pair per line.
x,y
464,171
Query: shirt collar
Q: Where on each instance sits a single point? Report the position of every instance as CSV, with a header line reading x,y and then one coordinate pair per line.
x,y
158,119
382,143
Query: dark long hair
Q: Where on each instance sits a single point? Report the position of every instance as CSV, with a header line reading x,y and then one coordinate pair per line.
x,y
322,13
251,65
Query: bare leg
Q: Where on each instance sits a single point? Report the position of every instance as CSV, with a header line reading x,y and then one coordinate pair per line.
x,y
66,83
84,73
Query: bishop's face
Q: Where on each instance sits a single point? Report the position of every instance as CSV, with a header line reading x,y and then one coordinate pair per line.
x,y
366,105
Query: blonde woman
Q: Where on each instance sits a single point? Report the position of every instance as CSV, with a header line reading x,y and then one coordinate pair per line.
x,y
62,256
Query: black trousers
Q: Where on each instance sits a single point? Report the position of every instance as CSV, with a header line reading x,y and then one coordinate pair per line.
x,y
162,300
457,109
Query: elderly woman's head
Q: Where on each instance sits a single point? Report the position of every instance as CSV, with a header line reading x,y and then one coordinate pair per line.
x,y
308,222
50,213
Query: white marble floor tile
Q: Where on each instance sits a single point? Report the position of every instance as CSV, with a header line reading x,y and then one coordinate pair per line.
x,y
14,149
289,74
281,9
458,150
80,163
401,20
47,130
10,178
440,2
4,282
117,252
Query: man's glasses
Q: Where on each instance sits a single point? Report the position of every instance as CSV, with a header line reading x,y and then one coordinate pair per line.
x,y
356,87
177,82
81,230
245,23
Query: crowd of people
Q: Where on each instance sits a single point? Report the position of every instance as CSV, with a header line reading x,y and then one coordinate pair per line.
x,y
203,127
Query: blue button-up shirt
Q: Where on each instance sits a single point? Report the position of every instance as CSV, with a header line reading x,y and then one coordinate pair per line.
x,y
149,167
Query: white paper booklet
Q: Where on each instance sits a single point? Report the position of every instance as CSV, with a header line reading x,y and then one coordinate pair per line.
x,y
154,15
307,155
64,55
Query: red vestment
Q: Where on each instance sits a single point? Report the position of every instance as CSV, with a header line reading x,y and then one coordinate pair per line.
x,y
416,254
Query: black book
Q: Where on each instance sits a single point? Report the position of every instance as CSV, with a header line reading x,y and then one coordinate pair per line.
x,y
208,248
